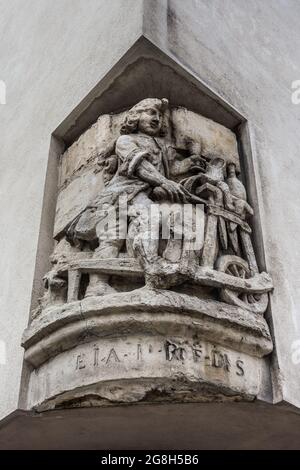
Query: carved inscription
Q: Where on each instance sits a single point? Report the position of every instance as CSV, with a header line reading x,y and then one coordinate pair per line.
x,y
80,361
217,358
173,351
170,351
112,357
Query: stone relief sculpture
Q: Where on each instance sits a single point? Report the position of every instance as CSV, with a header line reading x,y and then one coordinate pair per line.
x,y
156,156
147,169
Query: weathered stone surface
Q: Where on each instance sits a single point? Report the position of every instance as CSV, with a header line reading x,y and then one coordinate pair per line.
x,y
97,141
79,162
167,334
143,368
214,139
75,197
62,327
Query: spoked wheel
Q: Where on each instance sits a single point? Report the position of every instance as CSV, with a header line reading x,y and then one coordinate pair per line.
x,y
238,267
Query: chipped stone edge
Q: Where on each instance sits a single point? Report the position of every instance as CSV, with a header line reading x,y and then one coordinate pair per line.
x,y
140,311
128,392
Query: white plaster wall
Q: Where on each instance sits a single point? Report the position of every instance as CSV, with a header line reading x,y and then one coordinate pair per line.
x,y
51,54
249,53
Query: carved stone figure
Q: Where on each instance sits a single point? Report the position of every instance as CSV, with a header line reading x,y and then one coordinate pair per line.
x,y
163,171
148,169
144,174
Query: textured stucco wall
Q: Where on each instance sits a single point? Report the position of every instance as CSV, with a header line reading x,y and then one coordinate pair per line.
x,y
249,53
51,54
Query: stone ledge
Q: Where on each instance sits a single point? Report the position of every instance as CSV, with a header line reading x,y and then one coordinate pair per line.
x,y
144,310
143,367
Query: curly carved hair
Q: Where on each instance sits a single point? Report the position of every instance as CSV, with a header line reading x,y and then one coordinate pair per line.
x,y
131,121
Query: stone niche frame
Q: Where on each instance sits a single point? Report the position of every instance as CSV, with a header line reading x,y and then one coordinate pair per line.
x,y
146,71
